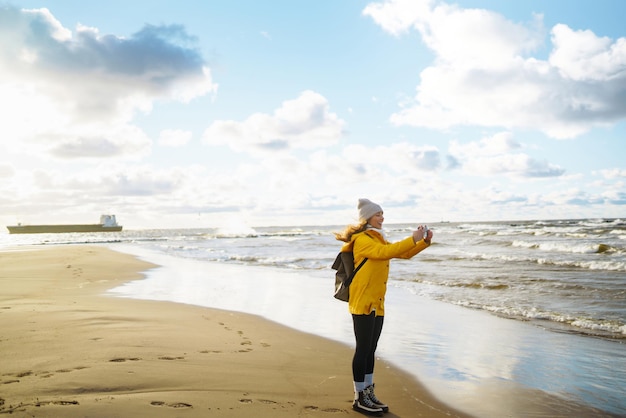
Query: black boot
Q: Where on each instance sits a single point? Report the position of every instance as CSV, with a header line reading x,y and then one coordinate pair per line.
x,y
370,394
365,405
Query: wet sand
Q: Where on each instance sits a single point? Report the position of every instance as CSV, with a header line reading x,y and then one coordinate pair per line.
x,y
68,350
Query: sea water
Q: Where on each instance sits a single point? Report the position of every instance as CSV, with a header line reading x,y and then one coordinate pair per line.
x,y
534,305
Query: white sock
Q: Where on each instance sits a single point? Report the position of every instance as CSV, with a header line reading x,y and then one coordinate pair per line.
x,y
359,387
369,380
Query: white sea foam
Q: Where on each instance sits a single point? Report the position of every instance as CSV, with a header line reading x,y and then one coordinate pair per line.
x,y
560,246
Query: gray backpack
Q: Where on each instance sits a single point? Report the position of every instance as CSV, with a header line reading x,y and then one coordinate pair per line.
x,y
344,264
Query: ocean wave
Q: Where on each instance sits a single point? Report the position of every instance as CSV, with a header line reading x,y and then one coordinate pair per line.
x,y
609,265
568,247
607,328
590,265
254,233
460,284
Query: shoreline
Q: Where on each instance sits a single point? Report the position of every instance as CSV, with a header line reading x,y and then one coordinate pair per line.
x,y
69,349
482,364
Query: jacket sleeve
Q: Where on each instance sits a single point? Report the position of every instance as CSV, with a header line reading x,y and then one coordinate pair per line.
x,y
417,248
372,248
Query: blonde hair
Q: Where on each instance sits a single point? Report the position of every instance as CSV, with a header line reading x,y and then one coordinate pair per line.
x,y
346,234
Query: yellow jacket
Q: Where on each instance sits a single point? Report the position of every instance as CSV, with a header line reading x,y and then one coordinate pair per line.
x,y
368,288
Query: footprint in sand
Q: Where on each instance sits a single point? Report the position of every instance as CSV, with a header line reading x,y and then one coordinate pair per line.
x,y
43,403
265,401
246,340
10,381
24,374
18,375
171,405
330,410
43,374
122,359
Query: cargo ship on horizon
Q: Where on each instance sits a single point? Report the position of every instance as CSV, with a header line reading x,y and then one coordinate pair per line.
x,y
108,223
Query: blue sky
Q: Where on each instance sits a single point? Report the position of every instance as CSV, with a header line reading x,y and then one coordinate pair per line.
x,y
250,113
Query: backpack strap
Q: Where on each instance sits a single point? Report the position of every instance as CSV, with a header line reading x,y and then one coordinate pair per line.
x,y
356,270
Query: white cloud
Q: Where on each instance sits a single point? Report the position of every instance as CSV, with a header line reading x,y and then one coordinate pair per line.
x,y
496,155
96,141
461,37
398,16
484,75
174,137
499,143
6,171
581,55
304,122
77,92
43,19
399,157
614,173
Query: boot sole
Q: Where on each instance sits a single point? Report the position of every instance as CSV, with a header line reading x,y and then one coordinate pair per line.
x,y
366,412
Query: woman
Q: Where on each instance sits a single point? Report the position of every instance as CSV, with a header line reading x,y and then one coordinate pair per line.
x,y
367,293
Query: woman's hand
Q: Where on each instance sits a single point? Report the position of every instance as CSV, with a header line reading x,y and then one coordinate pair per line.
x,y
419,235
429,236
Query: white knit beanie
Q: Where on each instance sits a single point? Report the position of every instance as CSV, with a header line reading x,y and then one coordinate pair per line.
x,y
367,209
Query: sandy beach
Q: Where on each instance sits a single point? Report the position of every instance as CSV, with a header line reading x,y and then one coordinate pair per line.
x,y
68,350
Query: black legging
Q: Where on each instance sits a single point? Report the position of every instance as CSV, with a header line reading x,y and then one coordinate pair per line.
x,y
367,329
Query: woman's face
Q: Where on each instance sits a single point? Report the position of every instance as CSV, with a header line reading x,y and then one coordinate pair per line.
x,y
377,220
